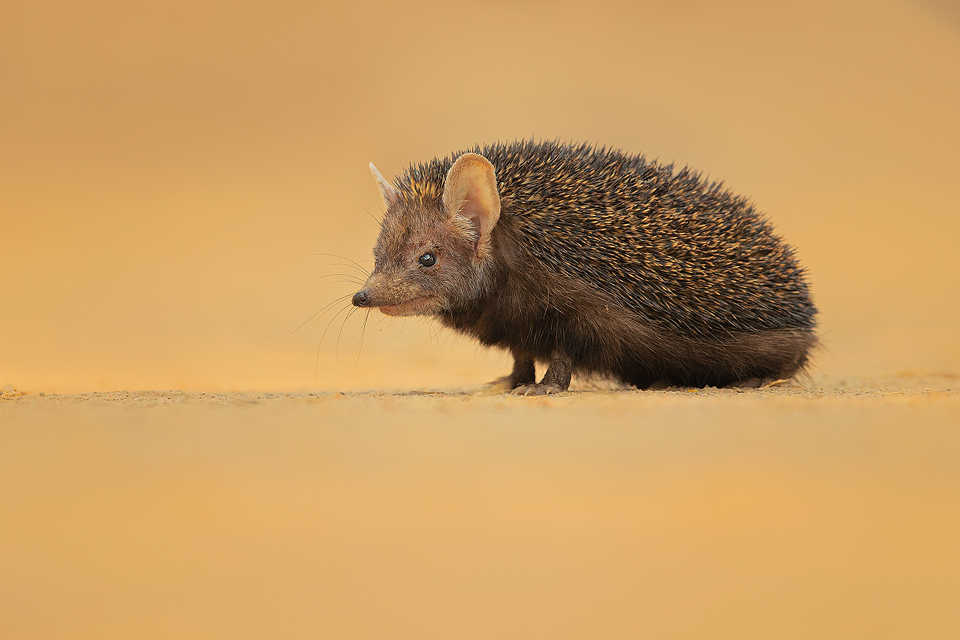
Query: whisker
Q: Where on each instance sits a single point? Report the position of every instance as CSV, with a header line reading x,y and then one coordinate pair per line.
x,y
316,369
320,312
363,328
326,308
342,275
340,333
429,333
327,284
434,334
332,282
327,328
350,266
337,255
352,285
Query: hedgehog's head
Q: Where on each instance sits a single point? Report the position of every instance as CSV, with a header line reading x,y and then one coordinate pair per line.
x,y
433,247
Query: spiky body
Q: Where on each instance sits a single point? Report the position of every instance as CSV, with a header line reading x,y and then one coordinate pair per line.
x,y
626,267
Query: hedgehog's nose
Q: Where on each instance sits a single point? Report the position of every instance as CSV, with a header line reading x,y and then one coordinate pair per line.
x,y
360,298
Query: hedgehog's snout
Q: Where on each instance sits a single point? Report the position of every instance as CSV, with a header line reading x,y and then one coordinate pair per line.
x,y
361,298
372,293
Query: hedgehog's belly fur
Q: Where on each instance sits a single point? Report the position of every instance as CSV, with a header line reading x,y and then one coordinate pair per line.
x,y
609,340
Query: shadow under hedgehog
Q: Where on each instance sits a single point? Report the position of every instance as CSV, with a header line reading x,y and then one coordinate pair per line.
x,y
592,261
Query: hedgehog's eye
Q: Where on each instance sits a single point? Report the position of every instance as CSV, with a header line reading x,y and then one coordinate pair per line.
x,y
427,260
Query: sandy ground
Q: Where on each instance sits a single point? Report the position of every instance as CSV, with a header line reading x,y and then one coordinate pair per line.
x,y
827,510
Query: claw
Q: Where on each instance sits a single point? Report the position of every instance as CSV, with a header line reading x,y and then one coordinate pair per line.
x,y
537,389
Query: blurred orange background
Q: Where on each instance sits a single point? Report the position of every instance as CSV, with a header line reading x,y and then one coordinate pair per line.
x,y
168,172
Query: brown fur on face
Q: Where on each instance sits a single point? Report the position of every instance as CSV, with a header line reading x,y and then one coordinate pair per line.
x,y
400,285
452,227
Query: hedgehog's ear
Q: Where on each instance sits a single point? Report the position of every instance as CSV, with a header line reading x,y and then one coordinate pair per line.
x,y
470,191
388,192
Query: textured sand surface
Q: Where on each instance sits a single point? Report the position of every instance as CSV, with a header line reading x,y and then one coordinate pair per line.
x,y
823,511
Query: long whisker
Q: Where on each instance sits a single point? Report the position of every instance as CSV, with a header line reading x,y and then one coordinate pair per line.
x,y
316,368
350,266
341,281
363,328
320,344
340,333
327,328
332,282
337,255
434,333
344,277
429,334
320,313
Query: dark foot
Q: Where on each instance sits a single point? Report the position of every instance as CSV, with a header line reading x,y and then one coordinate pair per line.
x,y
556,380
537,389
559,372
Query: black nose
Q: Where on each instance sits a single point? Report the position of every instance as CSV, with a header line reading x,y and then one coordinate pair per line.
x,y
360,299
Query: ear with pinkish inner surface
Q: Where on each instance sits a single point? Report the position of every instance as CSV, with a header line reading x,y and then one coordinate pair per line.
x,y
470,191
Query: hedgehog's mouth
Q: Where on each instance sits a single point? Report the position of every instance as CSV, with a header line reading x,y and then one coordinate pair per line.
x,y
422,306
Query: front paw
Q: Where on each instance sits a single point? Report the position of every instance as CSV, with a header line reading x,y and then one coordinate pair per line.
x,y
537,389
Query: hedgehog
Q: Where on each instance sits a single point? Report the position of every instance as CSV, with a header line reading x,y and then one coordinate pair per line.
x,y
592,261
